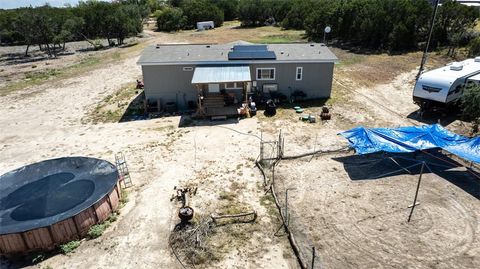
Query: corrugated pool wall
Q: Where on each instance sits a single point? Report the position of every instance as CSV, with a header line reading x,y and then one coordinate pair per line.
x,y
76,227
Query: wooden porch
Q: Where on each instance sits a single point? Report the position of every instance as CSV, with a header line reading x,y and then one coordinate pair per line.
x,y
214,105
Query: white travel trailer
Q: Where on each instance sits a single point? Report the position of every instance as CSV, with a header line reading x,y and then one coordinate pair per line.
x,y
443,87
205,25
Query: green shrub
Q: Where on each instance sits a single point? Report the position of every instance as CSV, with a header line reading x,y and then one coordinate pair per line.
x,y
201,10
471,105
474,47
69,247
170,19
96,230
124,198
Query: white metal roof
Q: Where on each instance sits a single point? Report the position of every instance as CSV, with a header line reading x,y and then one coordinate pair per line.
x,y
221,74
475,78
444,76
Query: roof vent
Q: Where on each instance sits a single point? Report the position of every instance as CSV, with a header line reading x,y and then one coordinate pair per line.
x,y
477,59
456,66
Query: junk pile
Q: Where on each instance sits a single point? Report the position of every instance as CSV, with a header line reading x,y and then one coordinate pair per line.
x,y
325,115
270,109
185,213
196,242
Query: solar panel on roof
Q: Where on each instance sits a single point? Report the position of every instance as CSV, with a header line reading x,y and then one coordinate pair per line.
x,y
250,48
252,55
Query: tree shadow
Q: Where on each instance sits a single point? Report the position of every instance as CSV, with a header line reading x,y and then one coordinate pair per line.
x,y
381,165
20,58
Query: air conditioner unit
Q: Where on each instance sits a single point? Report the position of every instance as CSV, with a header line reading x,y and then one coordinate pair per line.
x,y
270,87
456,66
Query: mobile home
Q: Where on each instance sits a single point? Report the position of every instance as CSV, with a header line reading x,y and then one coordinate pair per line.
x,y
192,75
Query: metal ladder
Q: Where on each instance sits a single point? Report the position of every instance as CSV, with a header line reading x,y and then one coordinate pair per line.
x,y
123,173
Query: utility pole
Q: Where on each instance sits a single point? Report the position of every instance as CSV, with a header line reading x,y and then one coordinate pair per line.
x,y
425,53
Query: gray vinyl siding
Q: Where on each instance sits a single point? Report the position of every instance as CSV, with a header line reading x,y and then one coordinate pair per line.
x,y
316,81
171,84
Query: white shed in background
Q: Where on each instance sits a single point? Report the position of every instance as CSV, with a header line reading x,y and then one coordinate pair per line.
x,y
205,25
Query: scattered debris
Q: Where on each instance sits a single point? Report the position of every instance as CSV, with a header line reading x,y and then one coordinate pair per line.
x,y
325,115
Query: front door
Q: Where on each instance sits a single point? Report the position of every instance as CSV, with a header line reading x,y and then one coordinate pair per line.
x,y
214,88
249,87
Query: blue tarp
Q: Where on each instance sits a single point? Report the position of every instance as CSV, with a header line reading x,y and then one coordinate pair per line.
x,y
410,139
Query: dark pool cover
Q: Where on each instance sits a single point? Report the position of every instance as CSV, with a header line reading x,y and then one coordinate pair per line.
x,y
44,193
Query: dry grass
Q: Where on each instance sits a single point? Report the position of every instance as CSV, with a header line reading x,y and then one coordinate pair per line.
x,y
369,70
113,106
231,31
81,65
204,243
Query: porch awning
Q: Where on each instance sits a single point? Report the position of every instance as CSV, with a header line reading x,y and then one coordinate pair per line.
x,y
221,74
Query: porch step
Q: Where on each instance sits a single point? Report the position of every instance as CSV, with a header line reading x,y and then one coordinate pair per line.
x,y
213,103
214,100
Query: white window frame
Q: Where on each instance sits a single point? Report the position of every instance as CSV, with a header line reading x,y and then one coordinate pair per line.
x,y
266,68
299,68
235,86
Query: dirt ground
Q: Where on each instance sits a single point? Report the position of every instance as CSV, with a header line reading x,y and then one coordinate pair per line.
x,y
48,119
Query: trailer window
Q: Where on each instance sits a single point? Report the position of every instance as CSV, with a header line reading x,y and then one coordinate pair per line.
x,y
457,90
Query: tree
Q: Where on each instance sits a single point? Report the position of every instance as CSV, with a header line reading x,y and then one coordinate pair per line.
x,y
474,47
25,25
454,21
471,104
229,8
70,28
171,19
253,12
297,12
123,22
155,5
201,10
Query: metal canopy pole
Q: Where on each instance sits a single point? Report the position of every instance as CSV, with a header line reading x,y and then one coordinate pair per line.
x,y
425,53
416,192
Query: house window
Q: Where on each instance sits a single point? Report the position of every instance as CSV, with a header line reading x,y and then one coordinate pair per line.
x,y
233,85
265,73
299,73
188,68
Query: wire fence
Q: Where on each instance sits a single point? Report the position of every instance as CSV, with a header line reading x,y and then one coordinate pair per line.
x,y
281,187
271,154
